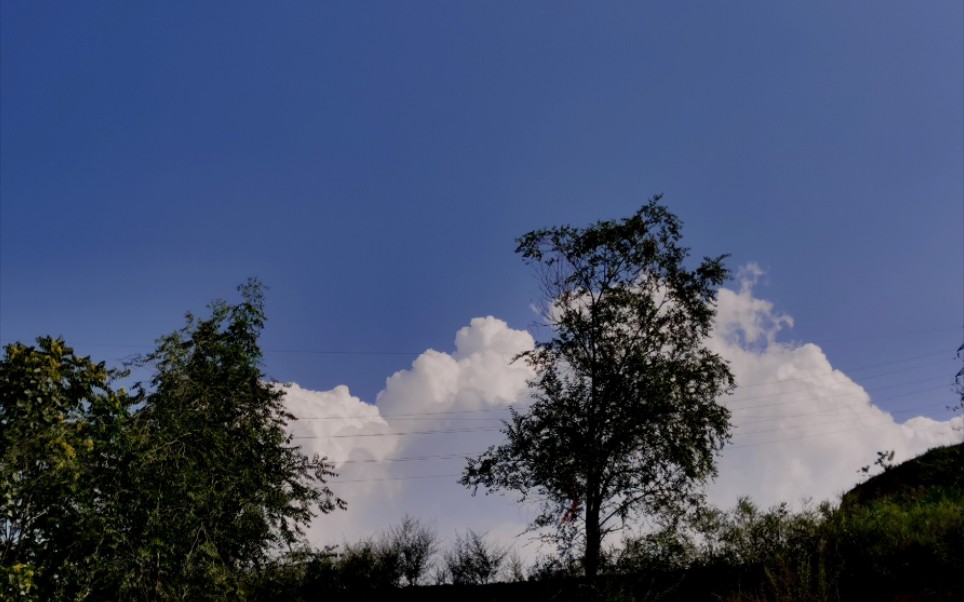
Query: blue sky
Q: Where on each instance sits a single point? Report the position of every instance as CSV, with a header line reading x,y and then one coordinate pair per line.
x,y
373,162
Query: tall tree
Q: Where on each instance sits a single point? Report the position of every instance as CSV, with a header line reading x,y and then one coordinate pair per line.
x,y
624,416
61,426
221,485
174,493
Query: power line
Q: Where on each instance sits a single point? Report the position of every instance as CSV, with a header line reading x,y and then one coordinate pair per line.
x,y
416,353
736,446
862,427
410,478
460,455
417,416
847,372
340,352
407,459
394,418
413,414
823,411
777,429
794,426
433,416
428,432
897,370
810,399
890,363
885,336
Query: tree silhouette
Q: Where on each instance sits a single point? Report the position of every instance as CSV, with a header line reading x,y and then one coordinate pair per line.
x,y
624,416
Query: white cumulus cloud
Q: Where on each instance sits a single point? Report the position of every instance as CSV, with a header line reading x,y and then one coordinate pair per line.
x,y
406,452
802,429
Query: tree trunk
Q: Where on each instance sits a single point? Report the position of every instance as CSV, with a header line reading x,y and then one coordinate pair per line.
x,y
593,538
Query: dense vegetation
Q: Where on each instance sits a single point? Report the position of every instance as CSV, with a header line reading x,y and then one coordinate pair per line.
x,y
178,490
891,538
188,487
625,419
108,495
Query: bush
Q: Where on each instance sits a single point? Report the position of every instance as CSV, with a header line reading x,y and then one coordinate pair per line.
x,y
886,547
472,560
412,544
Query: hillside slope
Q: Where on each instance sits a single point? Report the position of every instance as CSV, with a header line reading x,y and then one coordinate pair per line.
x,y
936,473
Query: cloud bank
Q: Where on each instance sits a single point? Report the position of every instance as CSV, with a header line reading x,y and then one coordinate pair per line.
x,y
405,453
802,429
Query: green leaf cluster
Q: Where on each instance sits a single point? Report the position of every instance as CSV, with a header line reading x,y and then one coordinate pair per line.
x,y
624,418
472,560
368,568
61,437
172,492
890,539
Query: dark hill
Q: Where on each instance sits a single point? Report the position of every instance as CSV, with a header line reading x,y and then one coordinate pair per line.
x,y
936,473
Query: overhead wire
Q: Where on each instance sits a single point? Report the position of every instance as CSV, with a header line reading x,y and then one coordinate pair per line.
x,y
423,415
406,459
450,456
397,434
458,455
823,411
405,478
732,446
810,399
460,415
432,416
400,352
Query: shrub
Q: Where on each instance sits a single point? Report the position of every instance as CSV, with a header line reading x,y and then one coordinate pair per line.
x,y
412,544
472,560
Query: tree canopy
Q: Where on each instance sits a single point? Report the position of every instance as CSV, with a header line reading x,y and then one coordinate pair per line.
x,y
624,416
174,492
60,438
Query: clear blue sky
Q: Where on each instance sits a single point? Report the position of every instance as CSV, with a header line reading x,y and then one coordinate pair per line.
x,y
373,163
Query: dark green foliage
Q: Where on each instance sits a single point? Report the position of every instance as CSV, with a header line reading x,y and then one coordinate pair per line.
x,y
401,556
747,536
893,536
777,552
907,483
904,541
472,560
412,544
369,568
62,438
297,576
624,419
366,566
554,568
887,547
664,549
884,461
222,483
903,530
178,492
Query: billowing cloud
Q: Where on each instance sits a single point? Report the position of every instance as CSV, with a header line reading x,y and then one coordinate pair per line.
x,y
802,428
337,425
348,432
405,454
480,374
